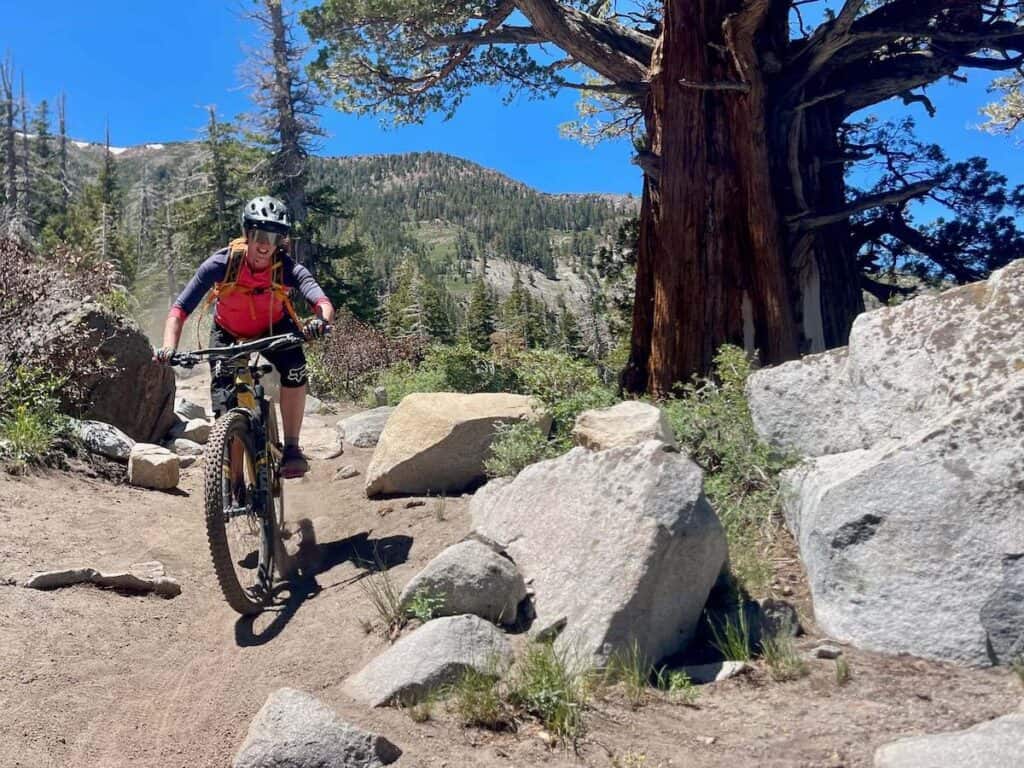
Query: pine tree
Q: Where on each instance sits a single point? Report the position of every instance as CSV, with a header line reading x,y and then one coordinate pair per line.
x,y
9,114
479,316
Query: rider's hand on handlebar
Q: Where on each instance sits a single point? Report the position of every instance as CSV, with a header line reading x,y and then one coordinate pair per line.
x,y
315,328
164,355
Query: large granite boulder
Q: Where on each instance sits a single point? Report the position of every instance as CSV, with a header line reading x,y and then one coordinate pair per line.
x,y
437,442
470,577
296,730
997,743
907,516
432,657
618,545
626,423
905,368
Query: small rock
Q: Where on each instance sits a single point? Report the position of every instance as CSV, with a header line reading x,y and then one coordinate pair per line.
x,y
187,461
141,577
363,429
414,503
628,423
548,739
316,407
385,511
296,730
346,472
707,741
196,430
103,439
714,673
184,447
188,410
470,577
332,451
150,466
380,396
827,651
432,657
778,618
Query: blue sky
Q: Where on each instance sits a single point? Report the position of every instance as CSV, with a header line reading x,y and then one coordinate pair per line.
x,y
149,67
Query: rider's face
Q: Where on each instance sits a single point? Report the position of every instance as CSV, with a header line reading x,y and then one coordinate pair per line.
x,y
259,254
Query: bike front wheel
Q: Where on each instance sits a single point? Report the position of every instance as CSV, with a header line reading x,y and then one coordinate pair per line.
x,y
241,514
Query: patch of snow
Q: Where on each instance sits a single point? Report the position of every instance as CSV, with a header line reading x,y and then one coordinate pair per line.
x,y
117,150
80,144
154,146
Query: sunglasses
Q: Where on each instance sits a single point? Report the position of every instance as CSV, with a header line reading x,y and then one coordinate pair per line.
x,y
263,237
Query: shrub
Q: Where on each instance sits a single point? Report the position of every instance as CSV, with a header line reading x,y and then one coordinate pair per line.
x,y
29,420
516,445
545,683
446,369
347,360
712,422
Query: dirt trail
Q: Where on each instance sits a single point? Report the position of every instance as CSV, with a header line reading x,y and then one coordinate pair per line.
x,y
93,678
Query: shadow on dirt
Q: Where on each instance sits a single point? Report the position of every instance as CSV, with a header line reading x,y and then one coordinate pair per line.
x,y
312,559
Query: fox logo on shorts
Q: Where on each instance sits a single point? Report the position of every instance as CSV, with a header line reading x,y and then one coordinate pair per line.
x,y
296,374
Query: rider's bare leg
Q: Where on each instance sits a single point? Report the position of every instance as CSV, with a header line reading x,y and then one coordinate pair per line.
x,y
293,406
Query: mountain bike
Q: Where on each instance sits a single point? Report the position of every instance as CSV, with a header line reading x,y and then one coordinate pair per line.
x,y
243,493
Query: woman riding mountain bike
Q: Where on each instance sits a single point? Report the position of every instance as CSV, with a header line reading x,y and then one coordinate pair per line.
x,y
251,280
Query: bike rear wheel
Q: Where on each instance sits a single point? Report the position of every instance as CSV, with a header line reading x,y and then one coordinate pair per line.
x,y
242,514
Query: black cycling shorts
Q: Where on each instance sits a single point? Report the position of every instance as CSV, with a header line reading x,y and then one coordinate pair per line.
x,y
290,365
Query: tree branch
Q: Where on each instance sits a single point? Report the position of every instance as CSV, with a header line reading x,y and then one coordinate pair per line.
x,y
865,203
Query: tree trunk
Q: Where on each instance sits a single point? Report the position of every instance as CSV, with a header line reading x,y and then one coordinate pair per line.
x,y
710,264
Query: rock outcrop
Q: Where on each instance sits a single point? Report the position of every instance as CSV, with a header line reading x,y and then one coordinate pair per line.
x,y
907,517
470,577
626,423
998,743
618,545
438,442
296,730
433,656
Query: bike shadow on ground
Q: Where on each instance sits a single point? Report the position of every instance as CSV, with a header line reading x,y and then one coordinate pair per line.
x,y
311,560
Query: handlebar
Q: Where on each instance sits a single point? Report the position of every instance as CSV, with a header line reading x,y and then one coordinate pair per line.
x,y
235,351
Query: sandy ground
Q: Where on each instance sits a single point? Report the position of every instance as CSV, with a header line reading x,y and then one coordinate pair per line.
x,y
93,678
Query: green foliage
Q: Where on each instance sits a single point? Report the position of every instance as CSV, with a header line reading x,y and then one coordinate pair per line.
x,y
29,417
479,317
631,668
423,606
445,369
517,445
712,422
782,657
476,699
384,596
546,683
732,638
677,684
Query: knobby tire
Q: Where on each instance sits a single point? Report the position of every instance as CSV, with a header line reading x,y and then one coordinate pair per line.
x,y
246,602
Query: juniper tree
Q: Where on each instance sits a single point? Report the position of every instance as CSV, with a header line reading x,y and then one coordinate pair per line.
x,y
737,109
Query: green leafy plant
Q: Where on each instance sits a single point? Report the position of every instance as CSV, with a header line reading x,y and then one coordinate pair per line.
x,y
712,422
29,419
677,684
423,605
548,685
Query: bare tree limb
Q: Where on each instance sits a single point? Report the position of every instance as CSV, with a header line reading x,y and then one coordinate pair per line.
x,y
865,203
